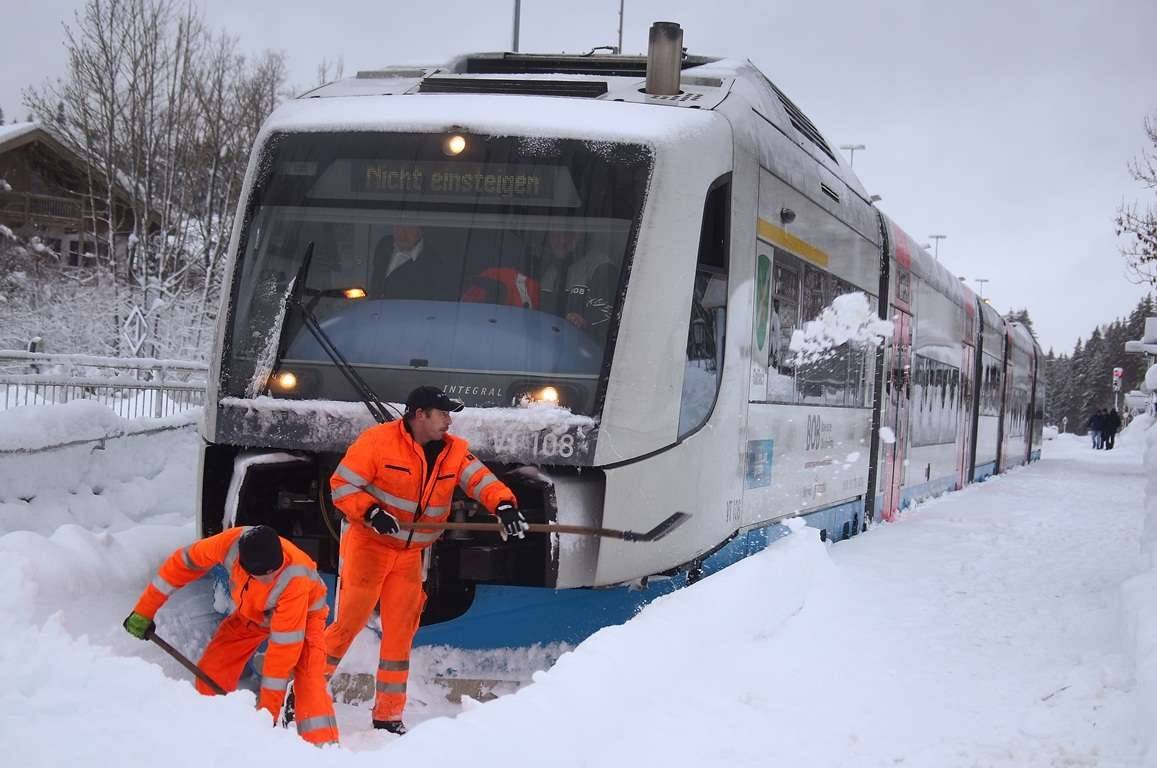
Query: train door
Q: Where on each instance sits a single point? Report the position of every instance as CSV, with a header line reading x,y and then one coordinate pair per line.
x,y
964,446
896,419
1030,406
1005,392
966,402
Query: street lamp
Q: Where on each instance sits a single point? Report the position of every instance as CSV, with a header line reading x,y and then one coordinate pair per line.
x,y
937,238
851,148
517,19
619,48
981,281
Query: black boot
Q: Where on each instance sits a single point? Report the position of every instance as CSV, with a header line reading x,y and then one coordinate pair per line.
x,y
393,726
287,711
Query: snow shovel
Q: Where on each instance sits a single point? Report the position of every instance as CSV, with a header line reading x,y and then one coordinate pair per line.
x,y
656,533
184,662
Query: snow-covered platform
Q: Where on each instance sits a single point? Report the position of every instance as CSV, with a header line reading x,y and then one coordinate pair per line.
x,y
1009,624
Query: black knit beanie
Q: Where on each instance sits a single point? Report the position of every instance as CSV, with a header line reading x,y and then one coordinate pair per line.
x,y
260,550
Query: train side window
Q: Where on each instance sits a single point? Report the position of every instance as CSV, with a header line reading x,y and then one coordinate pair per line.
x,y
936,399
705,334
784,321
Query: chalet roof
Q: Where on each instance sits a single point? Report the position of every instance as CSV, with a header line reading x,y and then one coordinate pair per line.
x,y
16,135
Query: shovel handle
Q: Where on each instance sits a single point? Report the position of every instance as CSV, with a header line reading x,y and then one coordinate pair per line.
x,y
184,662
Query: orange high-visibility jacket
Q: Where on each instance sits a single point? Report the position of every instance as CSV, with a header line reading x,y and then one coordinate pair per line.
x,y
387,468
282,606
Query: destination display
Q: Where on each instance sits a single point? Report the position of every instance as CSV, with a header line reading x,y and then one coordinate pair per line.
x,y
447,181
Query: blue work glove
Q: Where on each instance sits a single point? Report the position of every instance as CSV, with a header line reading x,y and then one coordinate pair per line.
x,y
513,523
139,627
382,521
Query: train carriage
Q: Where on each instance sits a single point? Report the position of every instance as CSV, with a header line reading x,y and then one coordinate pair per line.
x,y
714,228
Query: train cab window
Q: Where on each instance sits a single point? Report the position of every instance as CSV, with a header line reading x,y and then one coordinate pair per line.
x,y
705,334
494,276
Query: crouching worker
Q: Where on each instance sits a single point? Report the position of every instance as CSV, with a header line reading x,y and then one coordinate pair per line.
x,y
278,597
403,471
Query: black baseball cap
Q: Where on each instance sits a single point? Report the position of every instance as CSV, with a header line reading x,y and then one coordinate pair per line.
x,y
432,397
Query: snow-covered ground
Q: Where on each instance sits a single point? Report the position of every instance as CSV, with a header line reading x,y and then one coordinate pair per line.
x,y
1013,623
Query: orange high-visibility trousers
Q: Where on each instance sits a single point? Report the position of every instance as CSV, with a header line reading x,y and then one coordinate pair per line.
x,y
237,639
372,573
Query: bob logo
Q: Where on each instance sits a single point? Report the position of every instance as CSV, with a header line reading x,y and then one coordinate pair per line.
x,y
819,434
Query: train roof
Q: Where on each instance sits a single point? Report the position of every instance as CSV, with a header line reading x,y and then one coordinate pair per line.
x,y
706,82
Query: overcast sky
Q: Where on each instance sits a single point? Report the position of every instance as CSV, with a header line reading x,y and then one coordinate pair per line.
x,y
1006,126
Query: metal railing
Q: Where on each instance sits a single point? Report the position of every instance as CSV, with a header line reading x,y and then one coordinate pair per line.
x,y
132,387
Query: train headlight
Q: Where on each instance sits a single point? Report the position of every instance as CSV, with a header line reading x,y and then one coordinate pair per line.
x,y
454,145
539,396
286,381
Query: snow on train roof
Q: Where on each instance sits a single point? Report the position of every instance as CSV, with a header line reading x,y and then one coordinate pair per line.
x,y
495,114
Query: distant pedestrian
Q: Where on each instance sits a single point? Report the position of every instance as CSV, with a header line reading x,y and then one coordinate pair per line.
x,y
1110,425
1095,422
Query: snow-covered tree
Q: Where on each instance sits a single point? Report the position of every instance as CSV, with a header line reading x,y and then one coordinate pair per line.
x,y
1021,316
1137,223
164,114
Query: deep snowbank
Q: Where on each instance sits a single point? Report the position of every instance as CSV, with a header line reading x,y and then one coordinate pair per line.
x,y
40,426
981,629
143,470
1139,594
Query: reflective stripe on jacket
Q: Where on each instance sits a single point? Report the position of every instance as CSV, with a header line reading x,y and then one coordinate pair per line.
x,y
387,468
282,606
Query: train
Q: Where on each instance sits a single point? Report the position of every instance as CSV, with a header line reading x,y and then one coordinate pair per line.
x,y
614,259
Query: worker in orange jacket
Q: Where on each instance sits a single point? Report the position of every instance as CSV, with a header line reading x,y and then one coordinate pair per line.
x,y
278,597
404,470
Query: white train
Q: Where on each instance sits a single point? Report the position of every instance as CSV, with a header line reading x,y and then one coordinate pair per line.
x,y
636,238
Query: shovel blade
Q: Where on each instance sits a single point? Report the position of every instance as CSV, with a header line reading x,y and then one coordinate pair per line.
x,y
659,531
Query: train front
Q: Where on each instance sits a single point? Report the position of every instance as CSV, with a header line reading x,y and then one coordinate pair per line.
x,y
490,257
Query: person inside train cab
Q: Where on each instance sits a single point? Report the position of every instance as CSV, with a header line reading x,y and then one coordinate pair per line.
x,y
406,266
575,281
403,471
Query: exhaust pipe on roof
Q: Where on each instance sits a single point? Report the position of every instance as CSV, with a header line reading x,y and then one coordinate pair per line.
x,y
664,59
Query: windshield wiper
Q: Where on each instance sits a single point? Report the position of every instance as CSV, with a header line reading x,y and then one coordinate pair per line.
x,y
379,410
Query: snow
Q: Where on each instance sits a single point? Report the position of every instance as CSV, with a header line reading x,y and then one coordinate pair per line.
x,y
887,435
849,319
497,115
1139,595
34,427
1151,379
499,432
14,131
1010,624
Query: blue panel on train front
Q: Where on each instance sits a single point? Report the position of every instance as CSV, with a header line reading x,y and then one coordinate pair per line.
x,y
514,617
450,335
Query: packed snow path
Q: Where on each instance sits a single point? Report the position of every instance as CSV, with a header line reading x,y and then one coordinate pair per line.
x,y
982,629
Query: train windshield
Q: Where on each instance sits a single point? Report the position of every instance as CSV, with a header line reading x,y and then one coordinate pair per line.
x,y
491,267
